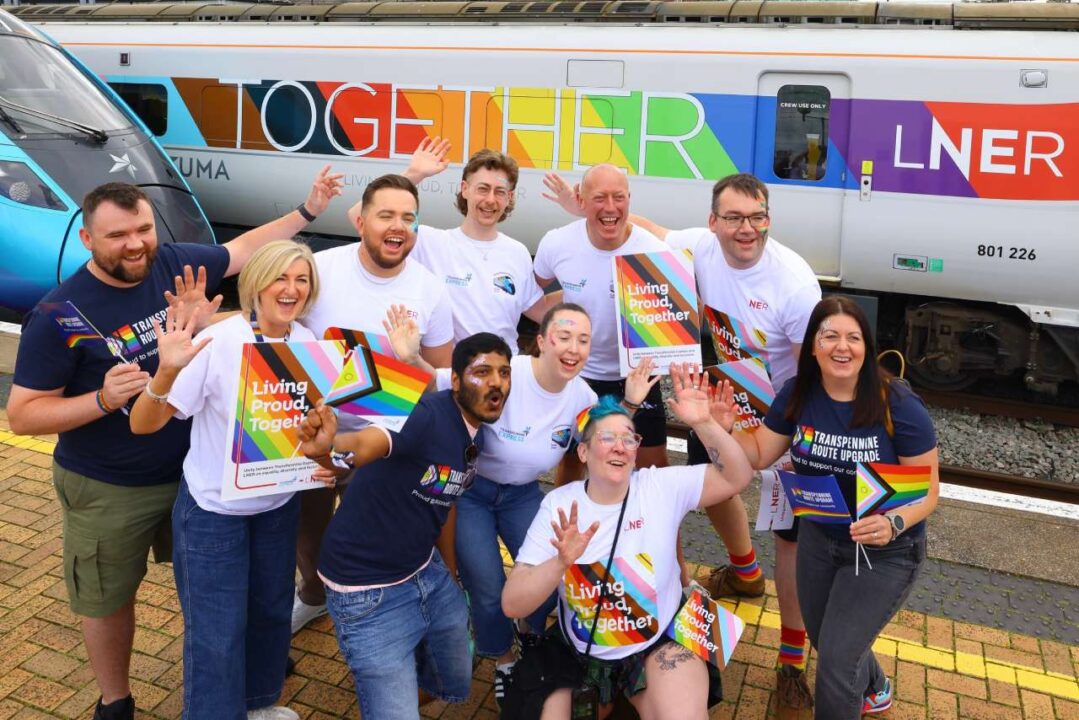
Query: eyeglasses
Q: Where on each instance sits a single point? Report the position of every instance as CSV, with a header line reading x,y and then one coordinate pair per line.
x,y
472,453
606,438
733,222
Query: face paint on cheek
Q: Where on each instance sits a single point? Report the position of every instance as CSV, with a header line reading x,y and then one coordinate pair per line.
x,y
825,326
415,226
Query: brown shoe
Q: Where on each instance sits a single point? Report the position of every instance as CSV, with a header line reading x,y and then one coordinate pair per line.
x,y
792,690
724,582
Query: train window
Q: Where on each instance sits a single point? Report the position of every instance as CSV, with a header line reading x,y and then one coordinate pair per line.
x,y
149,101
801,150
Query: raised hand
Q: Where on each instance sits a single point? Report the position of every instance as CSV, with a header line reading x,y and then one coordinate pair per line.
x,y
190,298
563,194
640,381
174,347
325,188
568,539
722,406
122,382
690,401
430,158
317,431
403,333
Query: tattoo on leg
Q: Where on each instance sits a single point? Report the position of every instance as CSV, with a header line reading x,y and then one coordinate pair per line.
x,y
672,655
713,455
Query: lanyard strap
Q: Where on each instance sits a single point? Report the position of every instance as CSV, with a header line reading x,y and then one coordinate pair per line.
x,y
258,333
604,585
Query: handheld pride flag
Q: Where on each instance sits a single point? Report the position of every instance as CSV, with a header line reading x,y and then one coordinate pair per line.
x,y
76,330
656,307
815,497
707,628
753,392
881,487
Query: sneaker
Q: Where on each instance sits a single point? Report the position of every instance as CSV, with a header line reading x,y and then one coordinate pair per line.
x,y
503,676
874,704
272,712
724,582
792,690
302,613
117,710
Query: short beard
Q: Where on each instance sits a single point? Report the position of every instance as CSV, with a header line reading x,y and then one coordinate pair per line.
x,y
117,272
471,399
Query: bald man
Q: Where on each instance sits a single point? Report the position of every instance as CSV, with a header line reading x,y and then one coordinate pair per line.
x,y
578,256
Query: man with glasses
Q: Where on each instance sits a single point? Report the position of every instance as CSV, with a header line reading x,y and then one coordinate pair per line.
x,y
400,617
761,294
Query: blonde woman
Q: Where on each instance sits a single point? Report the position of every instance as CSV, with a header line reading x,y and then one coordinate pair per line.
x,y
234,560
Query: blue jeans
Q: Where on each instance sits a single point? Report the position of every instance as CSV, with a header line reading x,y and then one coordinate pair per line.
x,y
486,512
844,614
234,576
398,638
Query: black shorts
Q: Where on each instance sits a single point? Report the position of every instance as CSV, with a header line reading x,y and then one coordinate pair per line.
x,y
650,420
696,455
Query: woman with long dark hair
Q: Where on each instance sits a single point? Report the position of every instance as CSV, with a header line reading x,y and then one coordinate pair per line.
x,y
842,409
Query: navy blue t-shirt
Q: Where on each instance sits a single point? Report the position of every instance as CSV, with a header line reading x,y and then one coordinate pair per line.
x,y
394,508
824,443
106,449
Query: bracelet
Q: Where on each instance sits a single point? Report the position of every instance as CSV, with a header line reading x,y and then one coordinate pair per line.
x,y
161,399
101,404
631,405
305,213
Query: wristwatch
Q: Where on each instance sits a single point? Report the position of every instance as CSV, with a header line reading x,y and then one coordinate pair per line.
x,y
897,522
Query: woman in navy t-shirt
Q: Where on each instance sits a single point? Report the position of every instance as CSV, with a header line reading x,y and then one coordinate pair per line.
x,y
840,410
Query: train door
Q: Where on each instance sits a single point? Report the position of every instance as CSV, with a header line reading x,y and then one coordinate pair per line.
x,y
803,121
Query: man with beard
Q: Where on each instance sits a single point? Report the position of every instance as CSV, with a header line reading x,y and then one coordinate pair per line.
x,y
401,619
116,489
359,286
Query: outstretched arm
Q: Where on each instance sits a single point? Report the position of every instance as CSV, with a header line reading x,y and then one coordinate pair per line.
x,y
319,438
429,159
563,194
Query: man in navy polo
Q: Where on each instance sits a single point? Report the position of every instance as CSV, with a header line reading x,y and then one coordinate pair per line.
x,y
400,616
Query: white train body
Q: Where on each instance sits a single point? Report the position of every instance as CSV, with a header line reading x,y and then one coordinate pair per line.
x,y
929,162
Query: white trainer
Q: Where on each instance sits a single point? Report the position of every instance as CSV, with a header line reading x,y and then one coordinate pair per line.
x,y
272,713
302,613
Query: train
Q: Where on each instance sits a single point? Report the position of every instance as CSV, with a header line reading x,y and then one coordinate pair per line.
x,y
63,131
924,157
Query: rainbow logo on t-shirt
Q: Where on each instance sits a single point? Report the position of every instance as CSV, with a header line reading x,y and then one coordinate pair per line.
x,y
436,478
803,439
629,611
127,336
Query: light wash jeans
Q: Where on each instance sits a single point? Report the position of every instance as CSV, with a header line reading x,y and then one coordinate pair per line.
x,y
234,576
405,636
844,614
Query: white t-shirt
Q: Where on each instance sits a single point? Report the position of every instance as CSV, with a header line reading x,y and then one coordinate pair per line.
x,y
645,587
586,277
535,428
206,391
489,282
774,298
354,299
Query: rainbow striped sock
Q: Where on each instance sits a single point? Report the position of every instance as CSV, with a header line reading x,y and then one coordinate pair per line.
x,y
746,566
792,647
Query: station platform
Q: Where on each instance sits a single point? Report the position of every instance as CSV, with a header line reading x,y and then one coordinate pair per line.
x,y
942,667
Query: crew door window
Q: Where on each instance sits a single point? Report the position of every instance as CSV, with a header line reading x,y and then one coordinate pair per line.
x,y
801,147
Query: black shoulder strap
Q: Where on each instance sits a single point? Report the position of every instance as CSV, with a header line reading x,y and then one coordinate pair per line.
x,y
604,584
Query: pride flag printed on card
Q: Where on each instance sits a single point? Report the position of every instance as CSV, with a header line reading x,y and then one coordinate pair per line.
x,y
735,340
753,393
628,614
656,306
882,487
707,628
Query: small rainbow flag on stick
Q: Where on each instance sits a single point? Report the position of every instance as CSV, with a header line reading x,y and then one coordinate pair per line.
x,y
707,628
881,487
656,306
75,328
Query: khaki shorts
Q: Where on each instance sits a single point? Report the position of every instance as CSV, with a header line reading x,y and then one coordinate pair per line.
x,y
108,532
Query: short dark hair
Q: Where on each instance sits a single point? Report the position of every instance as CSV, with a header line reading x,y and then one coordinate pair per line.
x,y
391,181
870,398
560,307
487,159
742,183
466,350
123,195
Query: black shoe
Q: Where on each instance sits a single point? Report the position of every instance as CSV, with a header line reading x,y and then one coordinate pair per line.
x,y
119,710
290,667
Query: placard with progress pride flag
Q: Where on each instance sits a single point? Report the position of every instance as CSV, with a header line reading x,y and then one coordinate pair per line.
x,y
655,296
707,628
753,392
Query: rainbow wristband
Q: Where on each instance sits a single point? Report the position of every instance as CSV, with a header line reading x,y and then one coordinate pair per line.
x,y
100,398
